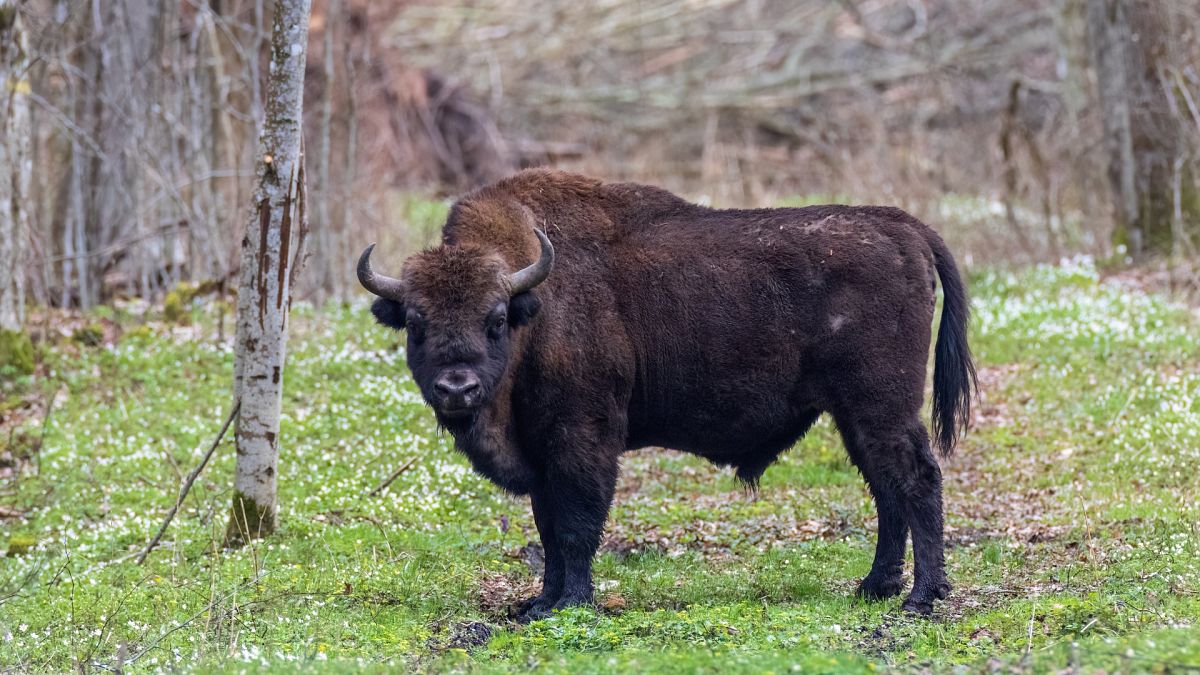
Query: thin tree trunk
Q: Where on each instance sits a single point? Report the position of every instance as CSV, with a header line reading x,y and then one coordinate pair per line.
x,y
224,143
325,249
75,274
1108,32
1011,193
203,228
256,46
15,164
1070,29
266,278
1129,43
182,217
350,173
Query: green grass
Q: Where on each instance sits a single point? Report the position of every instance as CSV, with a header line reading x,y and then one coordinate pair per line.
x,y
1072,518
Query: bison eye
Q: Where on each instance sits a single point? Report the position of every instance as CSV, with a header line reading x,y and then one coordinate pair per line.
x,y
415,324
496,325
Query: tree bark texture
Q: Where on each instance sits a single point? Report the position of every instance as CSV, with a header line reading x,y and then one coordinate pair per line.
x,y
15,164
271,252
1142,136
326,250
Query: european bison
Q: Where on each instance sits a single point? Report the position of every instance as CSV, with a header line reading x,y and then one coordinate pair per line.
x,y
651,321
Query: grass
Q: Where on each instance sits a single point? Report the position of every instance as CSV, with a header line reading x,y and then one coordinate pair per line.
x,y
1072,518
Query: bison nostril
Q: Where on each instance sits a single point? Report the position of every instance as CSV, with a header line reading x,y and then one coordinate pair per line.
x,y
457,384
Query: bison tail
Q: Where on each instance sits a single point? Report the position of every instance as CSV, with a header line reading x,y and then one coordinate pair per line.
x,y
954,378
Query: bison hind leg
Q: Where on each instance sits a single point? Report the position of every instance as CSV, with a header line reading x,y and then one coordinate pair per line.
x,y
904,478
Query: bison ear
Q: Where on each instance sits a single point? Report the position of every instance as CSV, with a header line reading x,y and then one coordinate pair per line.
x,y
389,313
522,307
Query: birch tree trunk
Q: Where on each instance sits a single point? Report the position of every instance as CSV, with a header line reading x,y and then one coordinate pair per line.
x,y
264,292
15,164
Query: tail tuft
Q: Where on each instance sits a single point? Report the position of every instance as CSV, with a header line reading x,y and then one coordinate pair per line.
x,y
954,379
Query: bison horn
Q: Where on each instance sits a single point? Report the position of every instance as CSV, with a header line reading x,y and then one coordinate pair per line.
x,y
384,287
525,279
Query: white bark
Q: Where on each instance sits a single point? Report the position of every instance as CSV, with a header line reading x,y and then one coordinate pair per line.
x,y
15,164
264,293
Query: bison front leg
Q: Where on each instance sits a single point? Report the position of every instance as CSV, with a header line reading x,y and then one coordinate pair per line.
x,y
552,577
578,493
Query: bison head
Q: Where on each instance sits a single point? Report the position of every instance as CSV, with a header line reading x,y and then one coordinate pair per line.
x,y
459,305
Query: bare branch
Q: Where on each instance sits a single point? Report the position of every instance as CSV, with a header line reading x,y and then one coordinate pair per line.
x,y
187,484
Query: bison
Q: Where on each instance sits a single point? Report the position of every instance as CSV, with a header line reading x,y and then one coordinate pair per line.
x,y
563,321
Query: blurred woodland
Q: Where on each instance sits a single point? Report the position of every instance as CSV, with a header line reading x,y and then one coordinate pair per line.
x,y
1040,129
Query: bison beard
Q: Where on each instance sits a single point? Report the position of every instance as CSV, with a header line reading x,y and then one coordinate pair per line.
x,y
723,333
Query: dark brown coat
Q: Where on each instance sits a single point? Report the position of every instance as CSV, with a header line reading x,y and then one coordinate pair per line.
x,y
723,333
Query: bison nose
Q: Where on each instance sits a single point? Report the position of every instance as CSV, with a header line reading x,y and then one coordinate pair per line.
x,y
457,388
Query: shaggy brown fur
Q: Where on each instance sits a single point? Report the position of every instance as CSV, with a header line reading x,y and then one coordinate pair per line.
x,y
724,333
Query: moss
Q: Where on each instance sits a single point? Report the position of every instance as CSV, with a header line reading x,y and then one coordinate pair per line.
x,y
20,544
1189,204
8,16
142,332
175,305
1121,240
248,517
1156,214
89,335
16,352
11,403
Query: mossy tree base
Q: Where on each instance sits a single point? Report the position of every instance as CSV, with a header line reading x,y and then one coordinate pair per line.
x,y
16,352
1157,232
175,304
248,520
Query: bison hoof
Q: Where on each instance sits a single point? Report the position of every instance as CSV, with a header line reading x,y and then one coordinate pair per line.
x,y
540,607
533,613
537,607
880,588
571,600
917,606
921,602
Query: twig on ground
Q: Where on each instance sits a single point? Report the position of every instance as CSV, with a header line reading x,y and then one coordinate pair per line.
x,y
390,479
1029,643
1120,413
187,485
37,456
382,531
29,577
